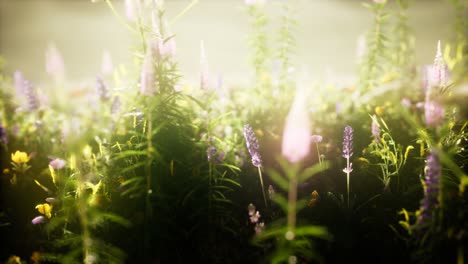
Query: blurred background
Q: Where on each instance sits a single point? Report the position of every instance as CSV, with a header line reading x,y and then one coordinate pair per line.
x,y
327,35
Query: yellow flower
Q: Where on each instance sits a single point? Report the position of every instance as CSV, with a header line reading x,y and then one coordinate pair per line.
x,y
45,209
19,157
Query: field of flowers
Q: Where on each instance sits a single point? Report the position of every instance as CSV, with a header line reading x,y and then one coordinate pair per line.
x,y
138,168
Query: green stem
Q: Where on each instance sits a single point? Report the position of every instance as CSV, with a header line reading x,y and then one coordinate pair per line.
x,y
318,153
261,183
292,202
347,178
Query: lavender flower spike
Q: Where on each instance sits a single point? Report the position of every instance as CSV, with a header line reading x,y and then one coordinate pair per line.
x,y
252,145
431,190
348,142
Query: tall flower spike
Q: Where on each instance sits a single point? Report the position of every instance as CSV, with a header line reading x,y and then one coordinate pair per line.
x,y
252,145
296,136
147,86
32,102
440,71
431,191
101,89
347,153
348,142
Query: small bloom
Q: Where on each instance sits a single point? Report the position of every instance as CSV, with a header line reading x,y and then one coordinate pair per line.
x,y
406,102
38,220
316,139
32,101
45,209
115,107
251,209
19,157
3,135
259,227
57,163
101,89
433,113
252,145
254,218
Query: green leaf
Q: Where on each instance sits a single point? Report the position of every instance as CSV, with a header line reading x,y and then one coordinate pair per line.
x,y
278,179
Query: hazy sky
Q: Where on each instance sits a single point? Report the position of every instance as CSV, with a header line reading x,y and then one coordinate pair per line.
x,y
326,36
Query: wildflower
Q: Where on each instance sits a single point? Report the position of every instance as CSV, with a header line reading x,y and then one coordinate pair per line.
x,y
254,218
440,72
348,142
101,89
375,129
45,209
406,102
3,135
433,113
252,145
147,86
38,220
347,153
20,157
251,209
296,135
57,163
316,138
51,200
259,227
32,102
54,62
431,181
115,107
166,48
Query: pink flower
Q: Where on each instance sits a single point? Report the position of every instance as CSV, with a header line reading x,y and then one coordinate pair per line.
x,y
57,163
38,220
147,86
296,135
54,62
254,218
433,113
259,227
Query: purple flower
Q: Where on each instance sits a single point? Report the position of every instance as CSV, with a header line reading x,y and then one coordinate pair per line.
x,y
32,102
101,89
55,66
254,218
348,142
440,72
115,107
252,145
348,147
259,227
57,163
406,102
19,83
38,220
213,155
433,113
147,86
3,135
431,190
